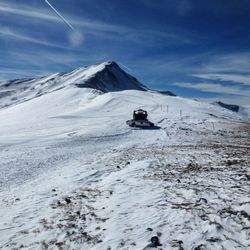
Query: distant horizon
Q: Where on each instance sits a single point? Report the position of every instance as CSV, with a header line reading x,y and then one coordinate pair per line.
x,y
198,50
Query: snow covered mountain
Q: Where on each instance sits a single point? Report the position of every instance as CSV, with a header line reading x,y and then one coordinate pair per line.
x,y
109,77
242,110
73,175
231,107
104,77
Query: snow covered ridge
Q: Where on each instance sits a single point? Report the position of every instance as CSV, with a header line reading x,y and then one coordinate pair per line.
x,y
242,110
104,77
232,107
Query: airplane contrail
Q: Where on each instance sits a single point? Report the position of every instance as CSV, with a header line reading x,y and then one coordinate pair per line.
x,y
65,21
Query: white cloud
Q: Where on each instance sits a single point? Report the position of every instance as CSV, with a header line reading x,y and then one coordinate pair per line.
x,y
21,73
227,63
27,11
46,15
14,34
213,88
237,95
243,100
243,79
30,64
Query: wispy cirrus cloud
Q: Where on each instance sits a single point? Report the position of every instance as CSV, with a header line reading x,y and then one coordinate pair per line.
x,y
221,75
95,27
213,88
207,65
242,100
23,73
26,11
227,63
43,14
241,79
29,64
17,35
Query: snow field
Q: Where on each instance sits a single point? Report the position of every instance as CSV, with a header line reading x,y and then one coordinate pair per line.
x,y
74,176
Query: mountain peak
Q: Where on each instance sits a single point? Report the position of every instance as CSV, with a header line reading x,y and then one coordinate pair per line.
x,y
108,77
111,63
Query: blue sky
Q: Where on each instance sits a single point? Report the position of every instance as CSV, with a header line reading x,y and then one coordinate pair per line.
x,y
198,49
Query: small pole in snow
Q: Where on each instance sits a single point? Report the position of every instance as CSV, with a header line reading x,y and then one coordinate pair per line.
x,y
161,107
180,112
213,125
167,108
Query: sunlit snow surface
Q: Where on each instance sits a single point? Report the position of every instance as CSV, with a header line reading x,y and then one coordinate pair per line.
x,y
75,176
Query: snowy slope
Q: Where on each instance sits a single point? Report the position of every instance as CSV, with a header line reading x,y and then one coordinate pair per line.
x,y
245,111
75,176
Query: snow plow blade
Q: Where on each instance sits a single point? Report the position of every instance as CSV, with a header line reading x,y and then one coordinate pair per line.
x,y
140,123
